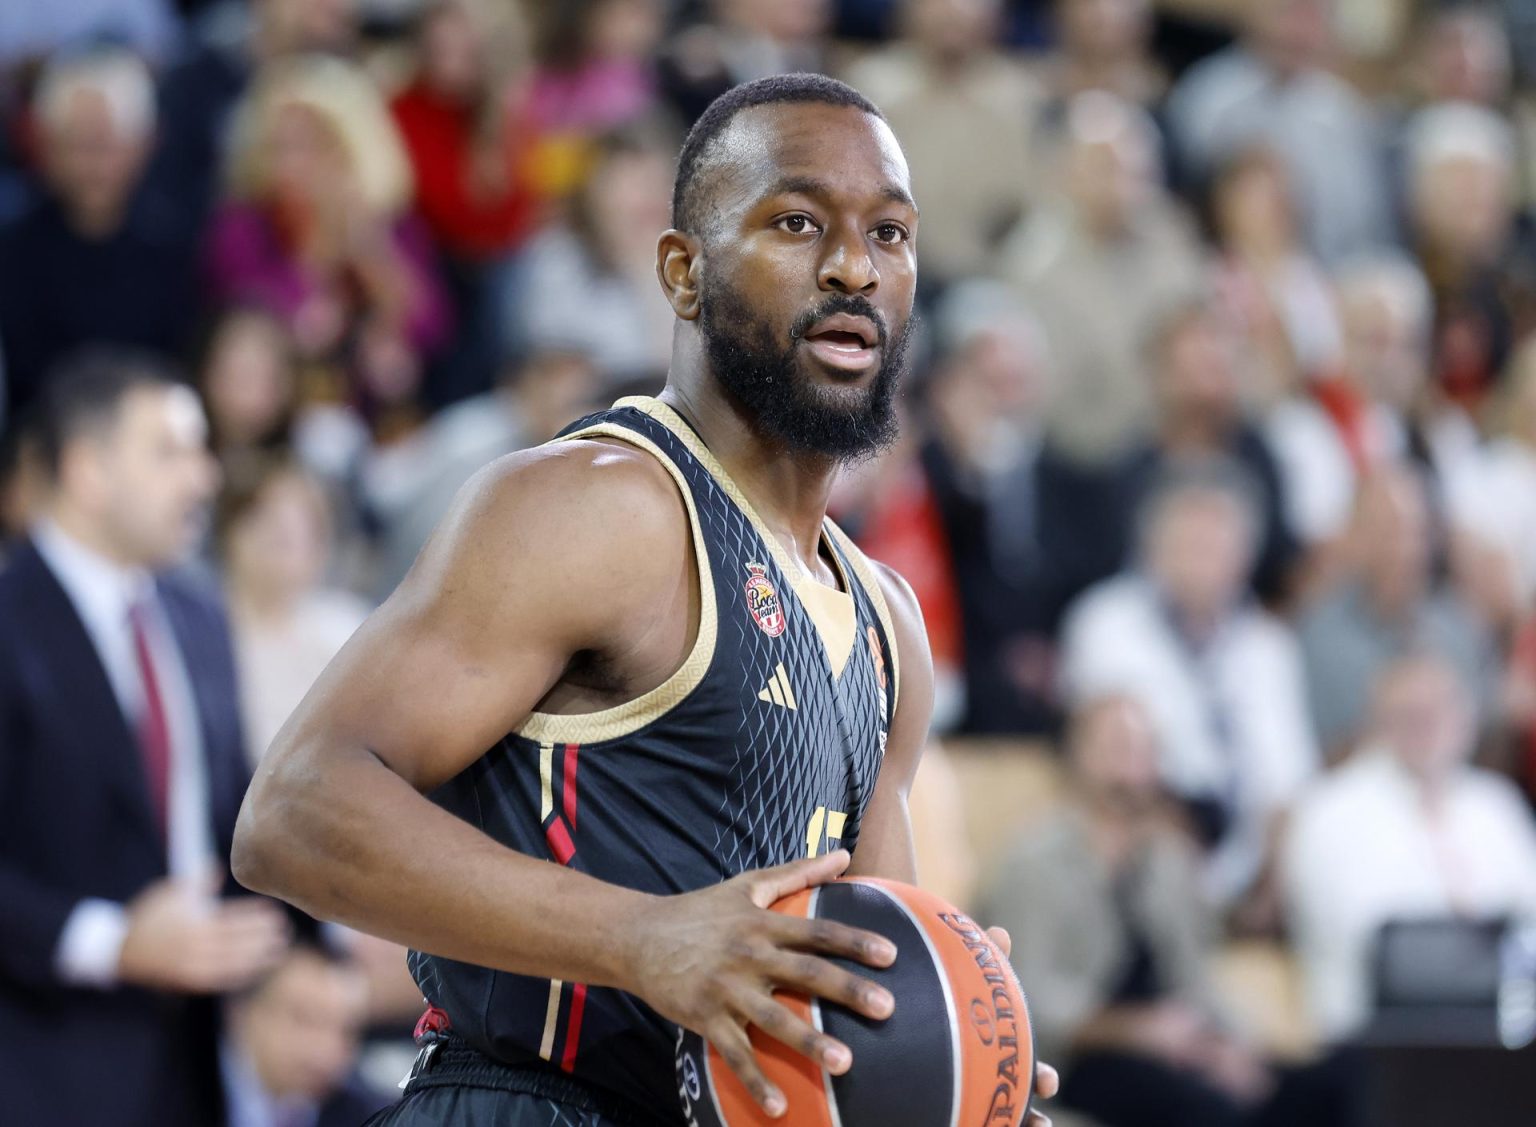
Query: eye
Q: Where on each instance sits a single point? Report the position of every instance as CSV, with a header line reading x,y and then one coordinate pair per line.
x,y
891,233
796,224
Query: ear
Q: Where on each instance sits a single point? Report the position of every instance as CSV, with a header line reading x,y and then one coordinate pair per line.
x,y
81,474
679,259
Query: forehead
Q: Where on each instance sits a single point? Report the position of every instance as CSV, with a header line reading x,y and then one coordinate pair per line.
x,y
853,153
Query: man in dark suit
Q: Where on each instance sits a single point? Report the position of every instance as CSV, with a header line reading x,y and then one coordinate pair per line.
x,y
291,1056
121,772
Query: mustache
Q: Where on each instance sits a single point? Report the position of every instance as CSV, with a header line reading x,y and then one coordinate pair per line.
x,y
855,305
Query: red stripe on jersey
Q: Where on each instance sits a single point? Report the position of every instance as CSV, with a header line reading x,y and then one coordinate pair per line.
x,y
569,795
560,843
573,1031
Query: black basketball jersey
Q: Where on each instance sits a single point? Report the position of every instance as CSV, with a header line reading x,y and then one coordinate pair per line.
x,y
762,748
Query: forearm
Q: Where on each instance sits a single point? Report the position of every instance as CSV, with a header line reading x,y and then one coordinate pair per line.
x,y
343,837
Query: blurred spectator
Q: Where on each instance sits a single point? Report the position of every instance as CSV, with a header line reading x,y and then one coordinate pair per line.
x,y
1200,421
1463,56
740,40
1220,679
274,536
1104,45
74,267
1026,528
1386,604
30,31
942,86
121,770
318,231
249,385
1406,829
1461,191
409,485
590,284
1274,87
465,120
1504,509
293,1042
462,119
1113,934
1099,265
595,72
199,92
1274,289
1371,409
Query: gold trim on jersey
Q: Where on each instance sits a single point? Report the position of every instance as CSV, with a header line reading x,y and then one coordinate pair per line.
x,y
629,717
871,583
824,613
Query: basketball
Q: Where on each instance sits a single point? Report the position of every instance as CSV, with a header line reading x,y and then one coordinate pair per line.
x,y
957,1050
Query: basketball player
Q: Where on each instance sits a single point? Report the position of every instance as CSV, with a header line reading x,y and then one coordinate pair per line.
x,y
687,677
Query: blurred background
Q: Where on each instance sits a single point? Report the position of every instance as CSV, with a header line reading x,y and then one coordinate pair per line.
x,y
1217,485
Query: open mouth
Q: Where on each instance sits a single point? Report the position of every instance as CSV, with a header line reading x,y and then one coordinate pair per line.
x,y
844,342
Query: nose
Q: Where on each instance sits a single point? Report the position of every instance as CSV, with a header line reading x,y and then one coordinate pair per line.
x,y
847,266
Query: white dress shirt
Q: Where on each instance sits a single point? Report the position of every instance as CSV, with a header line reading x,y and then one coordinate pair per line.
x,y
1362,850
103,592
1231,717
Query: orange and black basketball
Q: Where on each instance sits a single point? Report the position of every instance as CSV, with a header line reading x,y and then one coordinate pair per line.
x,y
957,1050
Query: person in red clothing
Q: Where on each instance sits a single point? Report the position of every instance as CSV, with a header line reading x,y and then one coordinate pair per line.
x,y
464,128
464,120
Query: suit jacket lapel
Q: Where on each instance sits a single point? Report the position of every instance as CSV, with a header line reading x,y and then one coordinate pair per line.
x,y
62,640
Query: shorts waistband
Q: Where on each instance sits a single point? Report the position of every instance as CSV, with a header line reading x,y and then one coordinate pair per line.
x,y
449,1061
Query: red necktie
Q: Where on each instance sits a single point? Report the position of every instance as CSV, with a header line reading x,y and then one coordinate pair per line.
x,y
154,730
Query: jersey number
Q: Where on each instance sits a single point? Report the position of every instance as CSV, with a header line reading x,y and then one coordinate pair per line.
x,y
824,825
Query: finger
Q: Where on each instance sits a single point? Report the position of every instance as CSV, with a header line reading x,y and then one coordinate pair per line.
x,y
730,1041
811,975
1047,1081
250,917
1003,940
782,1024
771,885
832,938
207,881
1039,1119
253,931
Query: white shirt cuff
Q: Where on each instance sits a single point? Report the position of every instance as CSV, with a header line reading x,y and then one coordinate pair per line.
x,y
92,943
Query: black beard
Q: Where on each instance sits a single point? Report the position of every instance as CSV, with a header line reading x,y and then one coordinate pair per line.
x,y
767,385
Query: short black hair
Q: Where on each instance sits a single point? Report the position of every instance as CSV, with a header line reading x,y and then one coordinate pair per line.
x,y
687,212
83,393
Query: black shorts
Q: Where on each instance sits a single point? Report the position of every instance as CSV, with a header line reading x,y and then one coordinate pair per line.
x,y
453,1085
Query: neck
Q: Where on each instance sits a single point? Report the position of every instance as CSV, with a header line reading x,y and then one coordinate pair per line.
x,y
94,221
1184,433
257,602
83,531
788,489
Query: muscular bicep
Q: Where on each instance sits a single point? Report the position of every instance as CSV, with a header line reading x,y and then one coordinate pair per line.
x,y
522,575
885,835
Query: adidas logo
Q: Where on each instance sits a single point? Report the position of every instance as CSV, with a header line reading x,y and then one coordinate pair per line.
x,y
778,691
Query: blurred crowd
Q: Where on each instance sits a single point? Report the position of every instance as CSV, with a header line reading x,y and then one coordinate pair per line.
x,y
1218,470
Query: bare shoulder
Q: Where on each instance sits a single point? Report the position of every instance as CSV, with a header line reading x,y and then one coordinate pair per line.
x,y
576,504
548,536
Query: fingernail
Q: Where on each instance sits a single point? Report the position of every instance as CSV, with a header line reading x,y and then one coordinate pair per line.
x,y
775,1106
885,952
838,1059
881,1003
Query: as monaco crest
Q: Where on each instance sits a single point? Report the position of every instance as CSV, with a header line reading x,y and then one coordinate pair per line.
x,y
763,601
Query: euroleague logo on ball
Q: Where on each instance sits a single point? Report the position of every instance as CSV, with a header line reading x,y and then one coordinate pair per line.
x,y
763,601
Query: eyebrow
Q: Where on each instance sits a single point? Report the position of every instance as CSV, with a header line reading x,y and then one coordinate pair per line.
x,y
810,186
